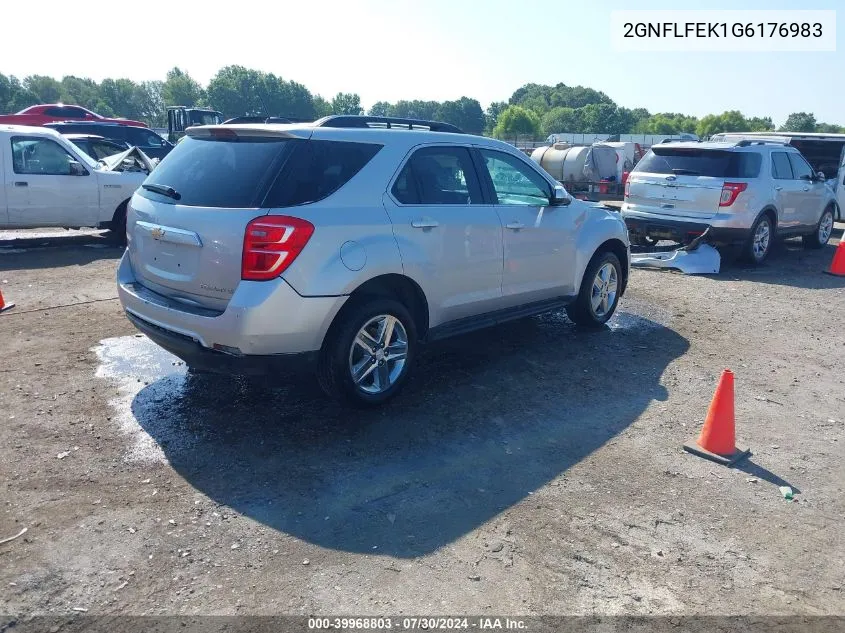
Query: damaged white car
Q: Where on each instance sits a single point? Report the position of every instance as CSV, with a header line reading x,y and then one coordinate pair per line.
x,y
46,181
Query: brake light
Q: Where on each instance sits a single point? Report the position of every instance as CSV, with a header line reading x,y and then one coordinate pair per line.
x,y
730,190
271,243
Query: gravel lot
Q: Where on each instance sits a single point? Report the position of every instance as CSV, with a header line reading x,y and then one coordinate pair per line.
x,y
529,469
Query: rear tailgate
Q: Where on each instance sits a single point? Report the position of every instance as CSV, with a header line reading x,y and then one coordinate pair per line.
x,y
693,197
191,254
686,180
186,224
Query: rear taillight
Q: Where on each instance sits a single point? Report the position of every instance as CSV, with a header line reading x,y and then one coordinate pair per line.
x,y
271,243
730,190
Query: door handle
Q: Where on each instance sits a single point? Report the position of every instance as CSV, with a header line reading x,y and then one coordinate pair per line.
x,y
21,183
425,224
515,226
778,188
806,188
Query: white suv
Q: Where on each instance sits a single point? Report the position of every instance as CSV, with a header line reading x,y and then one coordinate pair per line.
x,y
746,192
347,242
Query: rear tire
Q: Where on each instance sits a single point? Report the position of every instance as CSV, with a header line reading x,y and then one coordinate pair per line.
x,y
600,291
821,236
369,352
117,233
759,244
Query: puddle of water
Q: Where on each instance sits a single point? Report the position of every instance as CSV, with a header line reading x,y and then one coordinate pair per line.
x,y
133,364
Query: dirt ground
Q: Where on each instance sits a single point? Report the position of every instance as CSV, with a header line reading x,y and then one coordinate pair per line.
x,y
529,469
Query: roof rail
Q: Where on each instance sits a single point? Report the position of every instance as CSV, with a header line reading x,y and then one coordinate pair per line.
x,y
746,142
384,122
678,140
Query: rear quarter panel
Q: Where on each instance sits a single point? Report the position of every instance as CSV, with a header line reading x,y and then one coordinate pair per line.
x,y
352,219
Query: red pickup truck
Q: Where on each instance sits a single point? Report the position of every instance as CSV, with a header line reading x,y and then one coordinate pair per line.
x,y
54,112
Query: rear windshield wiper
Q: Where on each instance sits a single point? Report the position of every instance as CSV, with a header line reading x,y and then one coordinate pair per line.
x,y
164,190
686,172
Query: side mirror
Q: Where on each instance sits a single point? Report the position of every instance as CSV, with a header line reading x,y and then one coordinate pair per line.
x,y
76,169
559,197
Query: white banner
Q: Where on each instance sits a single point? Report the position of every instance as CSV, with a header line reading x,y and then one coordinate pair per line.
x,y
723,31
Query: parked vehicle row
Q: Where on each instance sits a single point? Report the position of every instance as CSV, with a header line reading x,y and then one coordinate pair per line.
x,y
344,244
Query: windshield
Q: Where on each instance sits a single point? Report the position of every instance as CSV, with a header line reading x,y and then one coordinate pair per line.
x,y
205,118
685,161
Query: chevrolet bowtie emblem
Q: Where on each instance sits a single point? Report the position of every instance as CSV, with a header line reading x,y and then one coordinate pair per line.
x,y
157,233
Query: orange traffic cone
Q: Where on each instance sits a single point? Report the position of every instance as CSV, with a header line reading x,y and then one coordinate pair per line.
x,y
837,266
3,305
717,439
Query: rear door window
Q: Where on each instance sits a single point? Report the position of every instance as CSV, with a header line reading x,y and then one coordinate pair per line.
x,y
438,175
801,170
683,161
781,168
316,169
224,173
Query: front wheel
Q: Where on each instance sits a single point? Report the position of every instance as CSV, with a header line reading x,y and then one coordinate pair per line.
x,y
368,354
600,291
820,237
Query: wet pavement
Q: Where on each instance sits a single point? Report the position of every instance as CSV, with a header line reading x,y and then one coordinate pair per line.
x,y
448,455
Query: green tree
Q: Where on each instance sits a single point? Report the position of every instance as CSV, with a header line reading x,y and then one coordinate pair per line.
x,y
562,120
123,97
151,103
425,110
233,91
380,108
346,103
45,89
517,121
760,124
800,122
601,118
464,113
491,115
13,96
79,91
179,88
730,121
541,98
829,128
666,123
321,107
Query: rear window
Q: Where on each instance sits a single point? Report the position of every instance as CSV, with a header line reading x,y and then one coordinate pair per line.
x,y
234,173
699,162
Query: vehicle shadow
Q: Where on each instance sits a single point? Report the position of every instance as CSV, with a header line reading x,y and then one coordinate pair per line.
x,y
56,252
789,264
489,418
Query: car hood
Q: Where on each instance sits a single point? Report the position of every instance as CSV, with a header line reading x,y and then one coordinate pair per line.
x,y
132,159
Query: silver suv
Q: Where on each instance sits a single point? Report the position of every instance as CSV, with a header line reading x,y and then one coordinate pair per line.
x,y
344,244
747,192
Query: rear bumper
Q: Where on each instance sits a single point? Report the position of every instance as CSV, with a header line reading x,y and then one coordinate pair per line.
x,y
201,358
262,319
684,231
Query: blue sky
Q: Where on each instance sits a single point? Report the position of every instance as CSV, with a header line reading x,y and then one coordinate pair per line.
x,y
437,49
